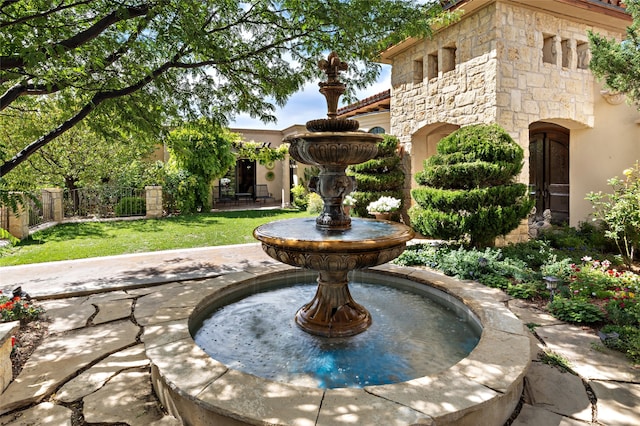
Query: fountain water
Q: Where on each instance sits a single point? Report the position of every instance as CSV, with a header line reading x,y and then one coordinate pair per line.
x,y
482,388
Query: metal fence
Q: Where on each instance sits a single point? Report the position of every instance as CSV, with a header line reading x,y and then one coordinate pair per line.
x,y
41,210
104,202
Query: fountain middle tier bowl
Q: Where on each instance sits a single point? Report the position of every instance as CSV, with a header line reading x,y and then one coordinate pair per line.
x,y
298,242
333,148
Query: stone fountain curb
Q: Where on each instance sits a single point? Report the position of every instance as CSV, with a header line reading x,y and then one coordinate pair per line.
x,y
483,388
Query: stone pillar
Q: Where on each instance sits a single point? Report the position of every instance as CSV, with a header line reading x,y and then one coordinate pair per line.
x,y
286,178
57,207
19,219
6,373
153,196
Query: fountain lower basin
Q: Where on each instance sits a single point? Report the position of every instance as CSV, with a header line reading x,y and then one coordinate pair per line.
x,y
483,388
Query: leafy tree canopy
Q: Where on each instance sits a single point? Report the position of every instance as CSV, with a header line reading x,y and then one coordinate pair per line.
x,y
618,63
139,61
79,157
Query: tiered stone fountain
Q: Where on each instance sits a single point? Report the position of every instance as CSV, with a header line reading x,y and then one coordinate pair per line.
x,y
338,244
482,388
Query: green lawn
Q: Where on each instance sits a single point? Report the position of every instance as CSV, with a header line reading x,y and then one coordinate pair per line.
x,y
91,239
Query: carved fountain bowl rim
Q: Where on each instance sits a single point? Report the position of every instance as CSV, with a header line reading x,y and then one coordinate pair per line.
x,y
300,234
334,137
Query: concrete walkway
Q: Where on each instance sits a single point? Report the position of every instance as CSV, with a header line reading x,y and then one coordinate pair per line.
x,y
92,367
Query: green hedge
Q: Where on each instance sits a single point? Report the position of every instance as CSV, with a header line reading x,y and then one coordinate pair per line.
x,y
378,177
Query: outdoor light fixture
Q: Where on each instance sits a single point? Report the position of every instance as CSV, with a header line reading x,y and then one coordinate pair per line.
x,y
552,285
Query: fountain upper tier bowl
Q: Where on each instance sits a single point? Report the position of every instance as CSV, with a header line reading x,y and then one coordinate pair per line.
x,y
333,148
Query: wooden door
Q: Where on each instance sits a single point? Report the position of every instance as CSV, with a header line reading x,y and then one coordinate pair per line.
x,y
549,172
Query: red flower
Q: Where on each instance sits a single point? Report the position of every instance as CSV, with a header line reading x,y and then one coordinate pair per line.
x,y
13,341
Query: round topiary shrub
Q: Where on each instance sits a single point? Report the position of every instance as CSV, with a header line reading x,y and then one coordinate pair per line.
x,y
131,206
381,176
468,187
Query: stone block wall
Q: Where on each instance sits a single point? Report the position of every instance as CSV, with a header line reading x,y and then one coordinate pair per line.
x,y
19,221
7,330
458,81
512,64
153,196
57,207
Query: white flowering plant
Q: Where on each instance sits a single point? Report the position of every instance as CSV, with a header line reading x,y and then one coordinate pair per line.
x,y
349,201
384,205
225,181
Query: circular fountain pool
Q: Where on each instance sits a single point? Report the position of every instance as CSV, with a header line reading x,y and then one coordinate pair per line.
x,y
482,388
412,335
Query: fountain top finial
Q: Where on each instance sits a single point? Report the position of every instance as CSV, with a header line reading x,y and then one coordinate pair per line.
x,y
332,67
332,89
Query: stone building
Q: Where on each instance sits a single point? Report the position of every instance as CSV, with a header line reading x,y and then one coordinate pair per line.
x,y
524,65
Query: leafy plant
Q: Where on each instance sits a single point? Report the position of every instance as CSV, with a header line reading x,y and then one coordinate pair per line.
x,y
468,187
314,203
495,281
300,199
17,309
527,290
131,206
560,269
575,310
624,310
628,340
384,205
419,254
202,149
620,211
556,360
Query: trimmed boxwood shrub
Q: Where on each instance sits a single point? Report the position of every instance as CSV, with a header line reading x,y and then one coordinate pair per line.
x,y
378,177
468,187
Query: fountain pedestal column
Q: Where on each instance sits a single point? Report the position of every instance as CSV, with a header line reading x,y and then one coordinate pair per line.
x,y
332,312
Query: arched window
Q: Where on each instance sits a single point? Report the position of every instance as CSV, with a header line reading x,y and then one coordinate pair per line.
x,y
377,130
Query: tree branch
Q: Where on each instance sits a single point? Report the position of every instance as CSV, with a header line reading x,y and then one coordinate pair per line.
x,y
37,15
10,62
97,99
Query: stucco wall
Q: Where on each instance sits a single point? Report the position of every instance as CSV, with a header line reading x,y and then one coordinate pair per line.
x,y
600,153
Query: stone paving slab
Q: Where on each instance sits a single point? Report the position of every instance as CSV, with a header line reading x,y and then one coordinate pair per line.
x,y
95,377
71,315
127,398
588,357
618,403
367,411
559,392
45,413
529,313
536,416
112,310
60,357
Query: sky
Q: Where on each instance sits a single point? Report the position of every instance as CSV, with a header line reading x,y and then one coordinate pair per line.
x,y
309,104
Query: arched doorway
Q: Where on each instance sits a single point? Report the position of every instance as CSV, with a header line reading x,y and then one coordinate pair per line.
x,y
424,144
549,170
